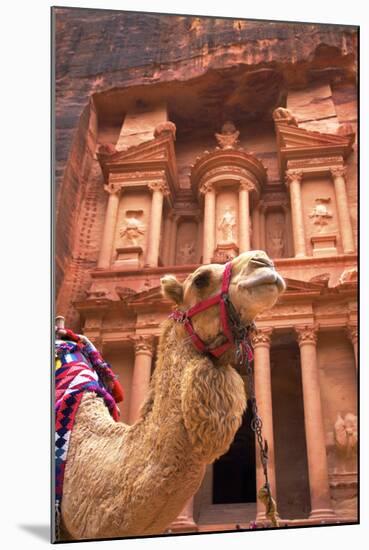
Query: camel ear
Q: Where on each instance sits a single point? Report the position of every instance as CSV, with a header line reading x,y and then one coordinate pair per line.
x,y
171,289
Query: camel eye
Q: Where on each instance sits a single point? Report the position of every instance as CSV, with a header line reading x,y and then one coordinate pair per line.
x,y
202,279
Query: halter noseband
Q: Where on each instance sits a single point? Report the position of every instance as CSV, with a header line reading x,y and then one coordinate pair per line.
x,y
232,327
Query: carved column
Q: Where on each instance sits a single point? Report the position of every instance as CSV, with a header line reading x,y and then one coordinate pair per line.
x,y
343,210
159,189
167,237
288,244
244,216
352,334
262,210
314,427
209,223
256,228
109,227
200,235
263,392
173,239
293,179
144,349
184,522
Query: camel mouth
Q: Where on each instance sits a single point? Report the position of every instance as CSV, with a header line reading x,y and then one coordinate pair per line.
x,y
263,275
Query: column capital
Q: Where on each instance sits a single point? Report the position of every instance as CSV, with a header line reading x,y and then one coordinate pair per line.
x,y
247,185
159,186
261,337
143,343
294,175
338,171
352,333
206,187
113,188
306,334
173,216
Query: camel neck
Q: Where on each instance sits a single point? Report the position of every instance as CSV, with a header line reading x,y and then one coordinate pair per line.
x,y
189,392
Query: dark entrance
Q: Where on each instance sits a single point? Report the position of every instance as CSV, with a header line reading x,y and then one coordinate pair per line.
x,y
234,473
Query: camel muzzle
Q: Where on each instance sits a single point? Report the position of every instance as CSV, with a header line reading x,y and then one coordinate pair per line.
x,y
263,276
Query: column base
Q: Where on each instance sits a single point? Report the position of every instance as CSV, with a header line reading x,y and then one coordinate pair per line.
x,y
300,255
261,518
183,526
322,514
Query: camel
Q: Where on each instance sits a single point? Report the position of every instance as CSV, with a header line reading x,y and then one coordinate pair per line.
x,y
130,480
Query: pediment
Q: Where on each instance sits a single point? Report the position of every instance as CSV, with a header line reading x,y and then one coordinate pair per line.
x,y
305,146
293,137
295,285
155,152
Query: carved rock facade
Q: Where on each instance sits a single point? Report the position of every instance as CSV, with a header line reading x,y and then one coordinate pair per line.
x,y
165,185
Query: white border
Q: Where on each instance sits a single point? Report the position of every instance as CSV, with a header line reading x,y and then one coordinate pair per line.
x,y
25,230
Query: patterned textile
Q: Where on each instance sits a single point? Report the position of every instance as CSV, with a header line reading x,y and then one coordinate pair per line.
x,y
79,368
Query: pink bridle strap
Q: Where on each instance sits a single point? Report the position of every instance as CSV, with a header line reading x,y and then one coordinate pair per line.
x,y
184,317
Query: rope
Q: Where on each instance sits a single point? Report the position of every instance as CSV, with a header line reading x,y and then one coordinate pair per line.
x,y
264,494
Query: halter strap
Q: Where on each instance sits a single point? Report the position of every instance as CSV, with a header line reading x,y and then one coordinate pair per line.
x,y
222,298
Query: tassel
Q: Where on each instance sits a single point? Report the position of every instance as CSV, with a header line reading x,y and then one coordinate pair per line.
x,y
117,391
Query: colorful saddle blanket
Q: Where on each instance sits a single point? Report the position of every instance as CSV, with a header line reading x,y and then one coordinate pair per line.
x,y
79,368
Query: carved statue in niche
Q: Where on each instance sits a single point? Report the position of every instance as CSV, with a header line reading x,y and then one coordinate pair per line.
x,y
276,235
320,213
228,138
276,242
227,225
133,230
345,439
186,254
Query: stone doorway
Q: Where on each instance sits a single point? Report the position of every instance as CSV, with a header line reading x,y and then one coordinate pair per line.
x,y
234,474
227,496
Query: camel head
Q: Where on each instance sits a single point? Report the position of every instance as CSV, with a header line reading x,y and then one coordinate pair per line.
x,y
254,286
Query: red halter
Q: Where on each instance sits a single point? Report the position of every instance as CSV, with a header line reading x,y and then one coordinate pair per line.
x,y
227,312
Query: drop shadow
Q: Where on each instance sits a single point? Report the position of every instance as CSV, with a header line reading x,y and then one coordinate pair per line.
x,y
40,531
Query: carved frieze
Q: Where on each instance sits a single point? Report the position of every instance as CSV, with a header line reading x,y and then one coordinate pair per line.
x,y
282,311
323,163
235,173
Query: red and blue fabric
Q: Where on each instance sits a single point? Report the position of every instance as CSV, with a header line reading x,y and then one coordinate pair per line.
x,y
80,368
